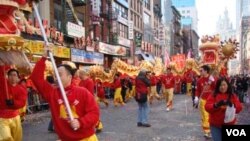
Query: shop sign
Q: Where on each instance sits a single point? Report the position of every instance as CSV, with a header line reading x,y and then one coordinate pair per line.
x,y
123,41
52,33
37,48
96,4
83,56
111,49
61,52
75,30
161,34
130,30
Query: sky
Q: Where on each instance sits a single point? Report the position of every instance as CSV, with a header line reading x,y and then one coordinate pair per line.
x,y
209,12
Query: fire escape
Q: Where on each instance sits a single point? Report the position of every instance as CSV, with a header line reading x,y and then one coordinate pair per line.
x,y
70,12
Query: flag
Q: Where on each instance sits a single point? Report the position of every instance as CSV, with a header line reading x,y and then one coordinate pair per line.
x,y
167,59
189,55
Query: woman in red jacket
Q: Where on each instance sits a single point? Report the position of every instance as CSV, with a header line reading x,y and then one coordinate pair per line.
x,y
216,107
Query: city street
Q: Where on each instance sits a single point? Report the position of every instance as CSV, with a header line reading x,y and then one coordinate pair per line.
x,y
181,124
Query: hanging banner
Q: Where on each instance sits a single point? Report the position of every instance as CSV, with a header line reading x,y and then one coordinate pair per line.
x,y
111,49
180,60
82,56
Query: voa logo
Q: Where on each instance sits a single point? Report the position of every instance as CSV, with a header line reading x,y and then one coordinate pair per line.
x,y
236,132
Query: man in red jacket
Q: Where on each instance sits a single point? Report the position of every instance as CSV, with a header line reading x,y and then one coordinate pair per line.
x,y
12,97
82,103
88,83
205,86
168,88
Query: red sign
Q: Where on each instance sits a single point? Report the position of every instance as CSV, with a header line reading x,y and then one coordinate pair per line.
x,y
51,32
180,60
209,57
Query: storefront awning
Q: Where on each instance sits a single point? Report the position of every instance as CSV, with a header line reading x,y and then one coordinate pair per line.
x,y
146,56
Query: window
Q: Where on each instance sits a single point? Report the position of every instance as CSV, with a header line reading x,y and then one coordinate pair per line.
x,y
188,11
134,19
146,19
122,11
57,17
123,30
147,4
183,11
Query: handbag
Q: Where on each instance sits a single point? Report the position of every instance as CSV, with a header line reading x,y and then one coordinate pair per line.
x,y
141,98
230,114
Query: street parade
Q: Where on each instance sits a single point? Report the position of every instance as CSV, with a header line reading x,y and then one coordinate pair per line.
x,y
91,78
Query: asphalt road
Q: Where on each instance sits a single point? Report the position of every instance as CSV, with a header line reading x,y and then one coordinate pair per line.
x,y
120,123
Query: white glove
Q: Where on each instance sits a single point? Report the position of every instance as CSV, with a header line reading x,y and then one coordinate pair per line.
x,y
196,100
211,78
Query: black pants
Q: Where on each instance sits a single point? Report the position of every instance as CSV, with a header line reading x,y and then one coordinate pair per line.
x,y
123,93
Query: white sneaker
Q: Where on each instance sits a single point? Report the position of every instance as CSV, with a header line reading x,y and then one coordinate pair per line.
x,y
167,109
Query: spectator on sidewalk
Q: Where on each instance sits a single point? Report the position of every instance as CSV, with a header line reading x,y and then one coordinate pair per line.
x,y
216,107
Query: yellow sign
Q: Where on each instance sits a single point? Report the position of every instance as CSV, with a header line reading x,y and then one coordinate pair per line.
x,y
37,48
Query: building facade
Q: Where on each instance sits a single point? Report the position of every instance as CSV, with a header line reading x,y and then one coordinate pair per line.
x,y
188,11
176,35
224,27
243,30
190,42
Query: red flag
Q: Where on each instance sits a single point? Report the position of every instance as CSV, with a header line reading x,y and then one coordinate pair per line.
x,y
167,59
189,55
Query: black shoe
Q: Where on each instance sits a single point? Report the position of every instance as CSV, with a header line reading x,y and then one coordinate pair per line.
x,y
98,131
139,124
51,130
146,125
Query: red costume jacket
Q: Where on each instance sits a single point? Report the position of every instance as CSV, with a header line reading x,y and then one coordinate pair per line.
x,y
82,103
76,81
88,84
189,75
168,80
204,87
17,93
217,115
117,83
153,80
100,91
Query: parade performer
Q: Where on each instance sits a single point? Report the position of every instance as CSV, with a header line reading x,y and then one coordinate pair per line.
x,y
22,111
88,83
168,88
153,92
216,105
205,86
188,78
178,82
76,79
118,88
82,103
101,93
13,96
